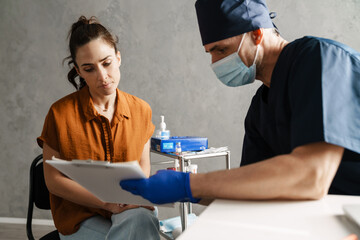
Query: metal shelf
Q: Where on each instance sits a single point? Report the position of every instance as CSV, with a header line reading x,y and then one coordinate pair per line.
x,y
186,159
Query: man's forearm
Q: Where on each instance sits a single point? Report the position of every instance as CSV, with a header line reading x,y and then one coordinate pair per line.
x,y
264,180
304,174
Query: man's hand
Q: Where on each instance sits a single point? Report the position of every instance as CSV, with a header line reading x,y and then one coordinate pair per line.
x,y
166,186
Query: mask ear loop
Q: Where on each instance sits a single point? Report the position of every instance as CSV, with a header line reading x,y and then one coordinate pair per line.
x,y
257,51
241,43
256,54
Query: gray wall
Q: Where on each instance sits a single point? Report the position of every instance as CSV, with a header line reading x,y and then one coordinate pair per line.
x,y
163,62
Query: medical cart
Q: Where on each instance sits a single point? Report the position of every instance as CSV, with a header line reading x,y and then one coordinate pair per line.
x,y
185,160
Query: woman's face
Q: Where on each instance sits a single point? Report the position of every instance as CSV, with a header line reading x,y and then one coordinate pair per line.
x,y
99,65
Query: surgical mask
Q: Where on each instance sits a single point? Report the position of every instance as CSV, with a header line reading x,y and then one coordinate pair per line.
x,y
232,72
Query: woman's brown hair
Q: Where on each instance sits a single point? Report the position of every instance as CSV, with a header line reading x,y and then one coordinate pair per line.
x,y
81,33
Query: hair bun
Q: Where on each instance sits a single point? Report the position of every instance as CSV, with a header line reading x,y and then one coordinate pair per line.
x,y
83,21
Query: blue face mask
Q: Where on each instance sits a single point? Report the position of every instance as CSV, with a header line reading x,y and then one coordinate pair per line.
x,y
232,72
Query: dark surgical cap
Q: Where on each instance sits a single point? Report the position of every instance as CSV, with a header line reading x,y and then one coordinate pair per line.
x,y
221,19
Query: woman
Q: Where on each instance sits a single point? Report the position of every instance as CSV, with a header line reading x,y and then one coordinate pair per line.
x,y
97,122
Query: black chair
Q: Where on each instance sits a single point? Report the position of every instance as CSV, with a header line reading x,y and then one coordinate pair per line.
x,y
38,195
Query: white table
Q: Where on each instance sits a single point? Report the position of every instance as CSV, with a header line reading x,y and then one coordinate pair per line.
x,y
321,220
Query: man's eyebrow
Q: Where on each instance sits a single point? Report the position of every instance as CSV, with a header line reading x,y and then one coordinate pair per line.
x,y
87,64
212,49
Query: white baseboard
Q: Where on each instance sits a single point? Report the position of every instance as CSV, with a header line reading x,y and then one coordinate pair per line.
x,y
45,222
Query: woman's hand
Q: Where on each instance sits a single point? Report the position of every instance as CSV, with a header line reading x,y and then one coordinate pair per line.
x,y
118,207
351,237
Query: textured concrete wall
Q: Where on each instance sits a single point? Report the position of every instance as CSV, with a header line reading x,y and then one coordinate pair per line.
x,y
163,62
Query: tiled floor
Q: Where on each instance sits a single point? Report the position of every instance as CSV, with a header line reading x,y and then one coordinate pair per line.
x,y
18,231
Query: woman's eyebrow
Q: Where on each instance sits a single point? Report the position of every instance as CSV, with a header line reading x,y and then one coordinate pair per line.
x,y
87,64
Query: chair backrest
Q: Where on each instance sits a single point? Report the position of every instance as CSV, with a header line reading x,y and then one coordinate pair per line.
x,y
38,195
40,191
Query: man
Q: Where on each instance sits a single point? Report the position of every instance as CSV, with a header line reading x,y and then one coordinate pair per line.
x,y
302,131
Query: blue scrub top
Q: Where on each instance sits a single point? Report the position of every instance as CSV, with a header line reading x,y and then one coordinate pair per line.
x,y
314,96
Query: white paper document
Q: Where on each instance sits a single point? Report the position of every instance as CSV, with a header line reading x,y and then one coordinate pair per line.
x,y
102,178
352,212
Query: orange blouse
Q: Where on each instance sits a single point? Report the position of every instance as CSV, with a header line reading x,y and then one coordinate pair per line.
x,y
77,131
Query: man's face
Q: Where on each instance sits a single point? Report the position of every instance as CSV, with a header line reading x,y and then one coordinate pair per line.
x,y
223,48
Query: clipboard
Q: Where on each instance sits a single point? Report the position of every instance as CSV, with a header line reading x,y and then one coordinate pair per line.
x,y
352,212
102,178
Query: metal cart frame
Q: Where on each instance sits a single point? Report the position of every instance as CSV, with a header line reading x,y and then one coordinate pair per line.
x,y
185,160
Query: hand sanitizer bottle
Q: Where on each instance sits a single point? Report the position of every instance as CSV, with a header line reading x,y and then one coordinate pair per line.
x,y
162,133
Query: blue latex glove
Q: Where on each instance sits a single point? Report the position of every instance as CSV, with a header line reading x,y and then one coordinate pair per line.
x,y
166,186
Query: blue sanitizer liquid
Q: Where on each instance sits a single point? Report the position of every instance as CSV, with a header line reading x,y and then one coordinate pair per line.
x,y
165,134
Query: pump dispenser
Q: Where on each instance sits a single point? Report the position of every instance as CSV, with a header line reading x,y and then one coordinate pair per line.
x,y
162,124
162,133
